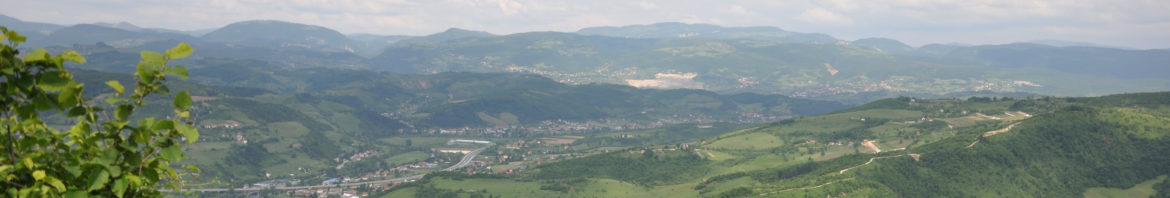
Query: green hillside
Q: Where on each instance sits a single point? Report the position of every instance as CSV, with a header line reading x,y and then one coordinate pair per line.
x,y
285,121
884,44
978,147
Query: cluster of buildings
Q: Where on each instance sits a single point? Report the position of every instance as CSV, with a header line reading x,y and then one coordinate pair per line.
x,y
276,183
229,124
357,156
924,119
346,192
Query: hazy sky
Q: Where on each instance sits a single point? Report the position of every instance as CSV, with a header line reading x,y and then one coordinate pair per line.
x,y
1132,23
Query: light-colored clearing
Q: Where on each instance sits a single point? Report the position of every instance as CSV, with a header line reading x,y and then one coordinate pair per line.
x,y
871,146
874,158
993,132
557,141
1009,127
987,116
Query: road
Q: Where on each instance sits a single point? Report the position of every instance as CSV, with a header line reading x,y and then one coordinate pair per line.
x,y
466,159
462,163
990,133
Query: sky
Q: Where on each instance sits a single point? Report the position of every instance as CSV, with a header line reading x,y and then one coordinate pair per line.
x,y
1142,24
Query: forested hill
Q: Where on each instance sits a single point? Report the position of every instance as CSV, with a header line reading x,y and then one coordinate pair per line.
x,y
1113,141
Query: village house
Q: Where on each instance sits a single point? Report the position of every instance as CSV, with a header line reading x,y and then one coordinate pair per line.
x,y
229,124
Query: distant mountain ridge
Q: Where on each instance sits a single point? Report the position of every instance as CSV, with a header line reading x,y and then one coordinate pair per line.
x,y
683,30
117,37
885,45
32,30
448,35
1061,43
262,32
723,59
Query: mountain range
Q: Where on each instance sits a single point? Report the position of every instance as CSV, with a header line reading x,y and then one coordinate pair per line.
x,y
765,60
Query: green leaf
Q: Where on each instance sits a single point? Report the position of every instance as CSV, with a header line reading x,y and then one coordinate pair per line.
x,y
182,50
134,180
123,112
117,86
71,55
119,187
26,111
172,153
68,96
14,37
7,70
53,81
38,175
75,171
115,171
153,57
189,132
114,100
76,111
98,180
179,71
182,100
36,55
164,125
28,163
146,71
56,183
76,194
140,136
43,102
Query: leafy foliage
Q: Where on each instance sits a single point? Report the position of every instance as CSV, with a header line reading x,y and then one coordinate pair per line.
x,y
104,153
1162,190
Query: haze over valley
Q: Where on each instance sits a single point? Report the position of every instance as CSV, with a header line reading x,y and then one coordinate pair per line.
x,y
283,108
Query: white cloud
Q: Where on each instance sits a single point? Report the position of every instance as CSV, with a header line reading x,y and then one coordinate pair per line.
x,y
823,16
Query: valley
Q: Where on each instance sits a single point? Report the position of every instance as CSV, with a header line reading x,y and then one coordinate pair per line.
x,y
284,109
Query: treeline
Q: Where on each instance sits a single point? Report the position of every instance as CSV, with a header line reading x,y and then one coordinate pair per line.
x,y
1162,190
